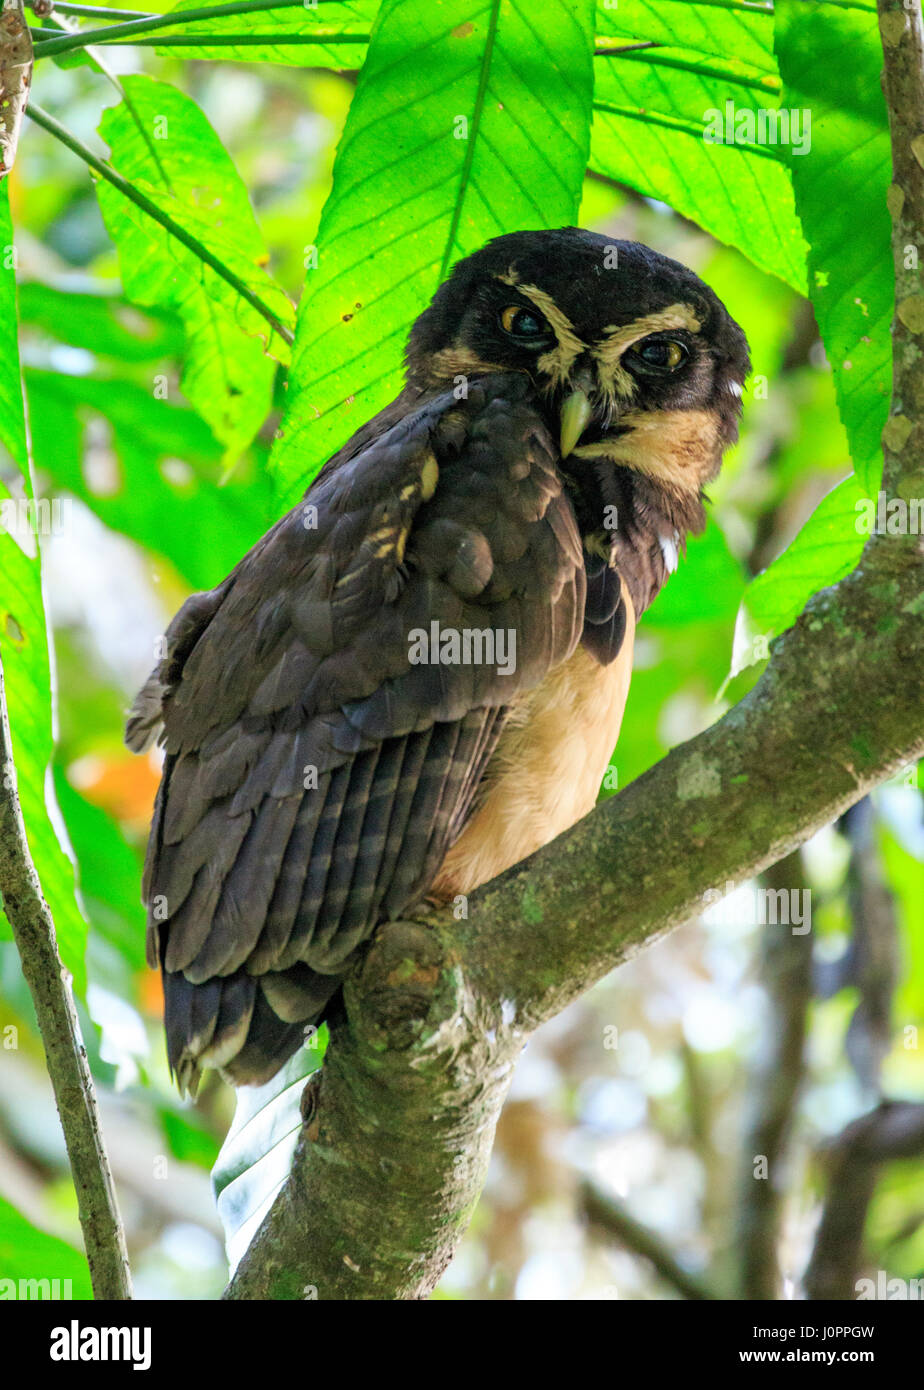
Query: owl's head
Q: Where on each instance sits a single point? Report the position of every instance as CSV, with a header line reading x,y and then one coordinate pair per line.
x,y
638,362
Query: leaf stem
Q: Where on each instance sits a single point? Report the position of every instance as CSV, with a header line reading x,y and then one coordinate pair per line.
x,y
100,12
165,21
221,40
140,200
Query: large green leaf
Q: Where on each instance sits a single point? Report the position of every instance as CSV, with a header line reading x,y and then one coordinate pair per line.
x,y
650,114
163,144
164,494
840,188
719,30
265,32
24,647
28,1254
827,548
515,84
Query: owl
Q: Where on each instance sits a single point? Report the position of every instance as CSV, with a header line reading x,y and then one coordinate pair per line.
x,y
417,677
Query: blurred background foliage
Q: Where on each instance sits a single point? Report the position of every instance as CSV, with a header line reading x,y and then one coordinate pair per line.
x,y
633,1106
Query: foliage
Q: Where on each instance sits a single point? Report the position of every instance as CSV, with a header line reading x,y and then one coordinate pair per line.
x,y
155,297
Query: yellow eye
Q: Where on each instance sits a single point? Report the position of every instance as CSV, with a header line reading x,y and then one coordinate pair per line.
x,y
664,354
522,323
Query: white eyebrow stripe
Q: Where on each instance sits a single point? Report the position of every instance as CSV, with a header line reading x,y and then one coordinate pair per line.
x,y
611,349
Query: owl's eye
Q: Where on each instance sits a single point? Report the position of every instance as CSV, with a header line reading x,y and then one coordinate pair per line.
x,y
523,323
662,354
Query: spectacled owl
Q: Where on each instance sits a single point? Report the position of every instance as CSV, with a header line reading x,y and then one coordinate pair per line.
x,y
417,677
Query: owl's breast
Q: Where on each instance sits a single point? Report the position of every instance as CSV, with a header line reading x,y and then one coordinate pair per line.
x,y
546,771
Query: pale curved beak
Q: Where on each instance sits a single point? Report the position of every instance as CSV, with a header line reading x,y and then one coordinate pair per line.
x,y
576,413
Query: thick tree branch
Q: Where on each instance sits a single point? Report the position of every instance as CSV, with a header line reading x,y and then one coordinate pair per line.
x,y
394,1150
391,1163
50,986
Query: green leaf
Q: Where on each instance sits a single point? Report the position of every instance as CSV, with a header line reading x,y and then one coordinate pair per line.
x,y
27,1254
708,586
718,30
163,144
109,872
840,188
12,415
682,649
165,467
827,548
650,113
347,19
104,324
24,648
256,1156
483,111
187,1140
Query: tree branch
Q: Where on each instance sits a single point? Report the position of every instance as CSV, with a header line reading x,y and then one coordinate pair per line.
x,y
148,23
66,1056
401,1119
772,1092
614,1221
894,1130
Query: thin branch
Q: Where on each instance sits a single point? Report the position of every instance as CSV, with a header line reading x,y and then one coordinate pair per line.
x,y
140,200
893,1131
699,67
612,1218
50,987
625,48
88,11
219,40
16,62
772,1090
168,21
903,84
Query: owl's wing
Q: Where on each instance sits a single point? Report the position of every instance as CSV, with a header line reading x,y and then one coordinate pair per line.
x,y
316,769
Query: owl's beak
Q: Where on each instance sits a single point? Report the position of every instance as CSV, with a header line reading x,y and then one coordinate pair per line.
x,y
576,413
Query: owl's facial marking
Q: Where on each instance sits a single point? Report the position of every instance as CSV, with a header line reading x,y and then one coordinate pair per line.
x,y
556,363
680,449
636,362
617,383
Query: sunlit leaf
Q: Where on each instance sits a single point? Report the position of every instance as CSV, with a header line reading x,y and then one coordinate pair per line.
x,y
827,548
483,110
840,188
28,1254
650,114
265,31
163,144
24,645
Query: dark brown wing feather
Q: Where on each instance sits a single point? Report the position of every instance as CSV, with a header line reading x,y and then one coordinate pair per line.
x,y
314,777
